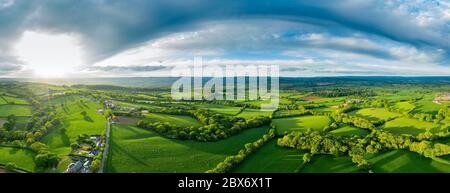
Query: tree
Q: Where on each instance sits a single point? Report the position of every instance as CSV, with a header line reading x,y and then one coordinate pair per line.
x,y
306,157
46,160
10,122
10,166
39,147
95,166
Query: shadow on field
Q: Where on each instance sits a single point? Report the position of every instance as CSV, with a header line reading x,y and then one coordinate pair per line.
x,y
407,130
88,119
65,139
115,147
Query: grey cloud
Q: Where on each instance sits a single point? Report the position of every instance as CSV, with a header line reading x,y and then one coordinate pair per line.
x,y
109,27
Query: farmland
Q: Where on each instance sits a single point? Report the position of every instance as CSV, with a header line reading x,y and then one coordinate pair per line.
x,y
136,150
18,110
180,120
301,123
317,128
23,159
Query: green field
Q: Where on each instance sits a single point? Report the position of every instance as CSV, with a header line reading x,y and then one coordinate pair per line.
x,y
405,106
330,164
400,161
349,131
17,110
426,105
249,113
22,158
375,114
300,123
74,123
137,150
384,105
180,120
136,105
271,158
227,110
15,100
404,125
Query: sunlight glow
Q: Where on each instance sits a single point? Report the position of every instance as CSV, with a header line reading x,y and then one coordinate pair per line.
x,y
49,55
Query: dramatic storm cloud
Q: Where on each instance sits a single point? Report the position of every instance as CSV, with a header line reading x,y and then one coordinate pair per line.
x,y
148,38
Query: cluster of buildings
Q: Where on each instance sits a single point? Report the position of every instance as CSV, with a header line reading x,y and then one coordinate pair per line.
x,y
82,164
442,98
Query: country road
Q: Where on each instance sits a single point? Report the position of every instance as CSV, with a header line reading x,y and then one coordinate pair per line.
x,y
105,150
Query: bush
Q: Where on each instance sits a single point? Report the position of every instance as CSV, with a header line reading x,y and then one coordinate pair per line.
x,y
46,160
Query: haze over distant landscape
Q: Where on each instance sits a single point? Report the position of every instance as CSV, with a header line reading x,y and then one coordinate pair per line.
x,y
60,39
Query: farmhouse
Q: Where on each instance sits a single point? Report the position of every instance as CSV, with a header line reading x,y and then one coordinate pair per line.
x,y
81,166
100,111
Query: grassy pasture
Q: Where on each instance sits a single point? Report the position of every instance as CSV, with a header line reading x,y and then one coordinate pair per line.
x,y
402,161
349,131
18,110
3,102
300,123
22,158
271,158
249,113
227,110
405,106
404,125
180,120
330,164
135,105
15,100
426,105
375,114
74,123
134,149
287,112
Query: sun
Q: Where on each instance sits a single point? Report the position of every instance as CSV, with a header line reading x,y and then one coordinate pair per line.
x,y
49,55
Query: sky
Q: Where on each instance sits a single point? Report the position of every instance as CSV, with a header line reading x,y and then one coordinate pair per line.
x,y
135,38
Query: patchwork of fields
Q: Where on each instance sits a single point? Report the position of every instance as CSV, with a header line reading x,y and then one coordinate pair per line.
x,y
62,114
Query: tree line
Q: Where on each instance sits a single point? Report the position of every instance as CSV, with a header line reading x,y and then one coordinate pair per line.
x,y
215,126
359,147
232,161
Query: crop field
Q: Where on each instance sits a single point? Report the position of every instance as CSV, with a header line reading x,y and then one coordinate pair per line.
x,y
180,120
301,123
137,150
